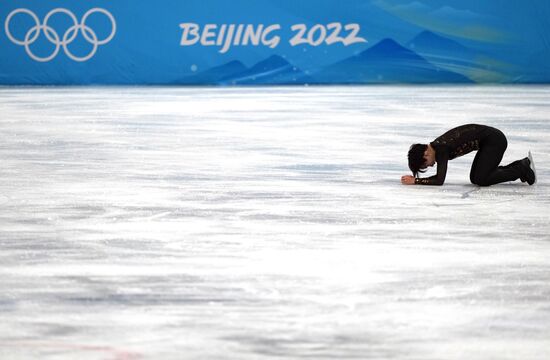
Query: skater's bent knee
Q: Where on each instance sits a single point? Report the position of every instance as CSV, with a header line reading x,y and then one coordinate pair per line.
x,y
476,180
480,182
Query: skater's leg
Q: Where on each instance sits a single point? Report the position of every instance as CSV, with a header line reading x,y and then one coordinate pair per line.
x,y
486,170
523,166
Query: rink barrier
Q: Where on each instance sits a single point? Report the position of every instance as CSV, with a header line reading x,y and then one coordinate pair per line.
x,y
270,42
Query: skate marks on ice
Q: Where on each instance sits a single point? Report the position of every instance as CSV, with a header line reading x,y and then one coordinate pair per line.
x,y
267,222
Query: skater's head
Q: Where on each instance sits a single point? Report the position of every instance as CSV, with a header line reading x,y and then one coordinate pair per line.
x,y
420,157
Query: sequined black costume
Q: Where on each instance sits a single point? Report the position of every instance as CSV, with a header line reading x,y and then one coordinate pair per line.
x,y
490,144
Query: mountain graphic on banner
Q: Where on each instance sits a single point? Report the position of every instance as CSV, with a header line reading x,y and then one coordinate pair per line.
x,y
429,42
215,74
387,62
453,56
273,70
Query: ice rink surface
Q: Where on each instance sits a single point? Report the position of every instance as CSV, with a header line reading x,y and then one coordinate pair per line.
x,y
267,223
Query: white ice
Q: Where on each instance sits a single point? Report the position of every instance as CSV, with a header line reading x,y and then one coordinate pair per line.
x,y
267,223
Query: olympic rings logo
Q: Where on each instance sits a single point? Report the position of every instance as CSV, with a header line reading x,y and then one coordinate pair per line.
x,y
68,37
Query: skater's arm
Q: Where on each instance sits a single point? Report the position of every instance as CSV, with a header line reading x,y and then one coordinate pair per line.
x,y
439,178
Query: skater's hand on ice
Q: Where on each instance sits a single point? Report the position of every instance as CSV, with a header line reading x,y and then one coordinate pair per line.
x,y
407,180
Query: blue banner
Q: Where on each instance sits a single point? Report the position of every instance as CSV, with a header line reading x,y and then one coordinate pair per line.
x,y
242,42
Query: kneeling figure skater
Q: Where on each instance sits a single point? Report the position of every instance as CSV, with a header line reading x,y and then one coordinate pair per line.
x,y
490,144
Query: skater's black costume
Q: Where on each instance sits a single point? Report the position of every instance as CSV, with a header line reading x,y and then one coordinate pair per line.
x,y
490,143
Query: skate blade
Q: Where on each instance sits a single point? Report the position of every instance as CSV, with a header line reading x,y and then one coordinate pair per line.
x,y
532,165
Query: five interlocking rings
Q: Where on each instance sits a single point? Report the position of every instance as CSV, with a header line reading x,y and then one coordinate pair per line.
x,y
69,36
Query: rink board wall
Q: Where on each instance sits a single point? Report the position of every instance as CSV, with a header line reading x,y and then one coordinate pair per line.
x,y
219,42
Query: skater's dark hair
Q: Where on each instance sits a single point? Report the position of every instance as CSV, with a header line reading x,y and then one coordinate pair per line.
x,y
416,158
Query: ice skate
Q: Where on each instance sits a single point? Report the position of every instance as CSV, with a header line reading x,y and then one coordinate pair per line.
x,y
532,166
528,173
